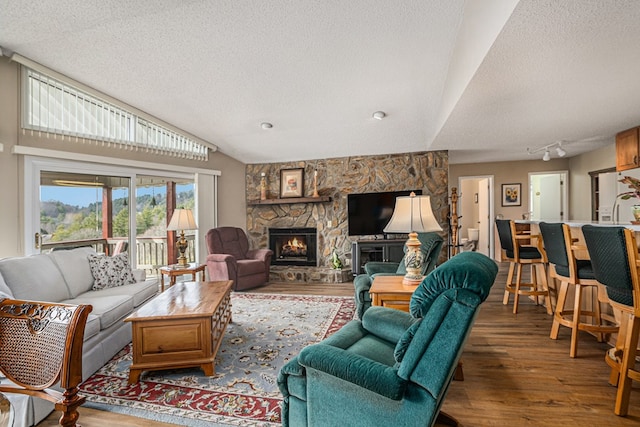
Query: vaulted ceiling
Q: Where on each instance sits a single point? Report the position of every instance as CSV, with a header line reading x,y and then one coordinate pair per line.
x,y
484,79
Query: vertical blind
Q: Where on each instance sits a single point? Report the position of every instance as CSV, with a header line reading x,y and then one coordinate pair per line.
x,y
56,107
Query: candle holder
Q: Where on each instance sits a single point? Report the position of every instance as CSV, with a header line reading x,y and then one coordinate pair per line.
x,y
263,187
315,183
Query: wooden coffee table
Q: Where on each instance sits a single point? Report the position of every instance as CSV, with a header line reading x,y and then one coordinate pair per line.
x,y
180,328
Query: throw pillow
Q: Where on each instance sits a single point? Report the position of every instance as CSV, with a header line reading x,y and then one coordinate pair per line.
x,y
109,272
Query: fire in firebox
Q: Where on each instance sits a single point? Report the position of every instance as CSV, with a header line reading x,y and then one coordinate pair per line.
x,y
293,248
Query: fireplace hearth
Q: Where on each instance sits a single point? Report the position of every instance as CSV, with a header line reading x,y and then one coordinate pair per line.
x,y
293,246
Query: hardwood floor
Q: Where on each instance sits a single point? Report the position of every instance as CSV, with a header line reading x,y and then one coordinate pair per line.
x,y
515,375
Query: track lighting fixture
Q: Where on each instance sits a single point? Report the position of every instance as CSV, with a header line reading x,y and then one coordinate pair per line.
x,y
547,154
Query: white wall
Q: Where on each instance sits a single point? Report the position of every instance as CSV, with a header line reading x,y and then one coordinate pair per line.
x,y
580,181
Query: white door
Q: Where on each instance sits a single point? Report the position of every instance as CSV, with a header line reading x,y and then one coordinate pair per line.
x,y
484,222
476,210
548,196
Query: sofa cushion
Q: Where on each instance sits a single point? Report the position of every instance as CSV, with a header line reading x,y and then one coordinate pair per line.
x,y
74,266
139,292
110,308
34,278
109,272
92,327
5,292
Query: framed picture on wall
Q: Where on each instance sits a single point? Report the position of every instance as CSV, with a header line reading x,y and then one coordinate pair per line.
x,y
291,182
512,194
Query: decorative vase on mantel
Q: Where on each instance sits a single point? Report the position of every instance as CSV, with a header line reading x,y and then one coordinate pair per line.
x,y
635,210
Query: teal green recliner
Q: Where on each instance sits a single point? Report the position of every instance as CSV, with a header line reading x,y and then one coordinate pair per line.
x,y
392,367
430,246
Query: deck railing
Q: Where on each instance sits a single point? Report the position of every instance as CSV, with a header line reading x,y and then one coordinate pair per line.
x,y
151,252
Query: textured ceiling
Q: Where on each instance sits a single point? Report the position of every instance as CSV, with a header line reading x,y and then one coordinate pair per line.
x,y
484,79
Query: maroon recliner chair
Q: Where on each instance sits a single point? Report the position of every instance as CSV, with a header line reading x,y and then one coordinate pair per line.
x,y
231,259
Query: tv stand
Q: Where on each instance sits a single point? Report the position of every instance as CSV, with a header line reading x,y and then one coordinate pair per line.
x,y
385,250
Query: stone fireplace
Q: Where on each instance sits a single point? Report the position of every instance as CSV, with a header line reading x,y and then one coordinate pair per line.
x,y
327,214
293,246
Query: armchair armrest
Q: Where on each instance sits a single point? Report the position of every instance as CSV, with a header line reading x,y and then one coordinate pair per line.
x,y
366,373
261,254
220,258
375,267
222,267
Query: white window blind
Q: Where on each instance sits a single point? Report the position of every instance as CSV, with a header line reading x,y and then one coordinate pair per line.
x,y
54,106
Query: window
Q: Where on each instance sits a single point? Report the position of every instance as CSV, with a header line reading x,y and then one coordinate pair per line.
x,y
53,106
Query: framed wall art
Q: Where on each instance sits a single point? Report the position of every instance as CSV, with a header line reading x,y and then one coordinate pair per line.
x,y
291,182
512,194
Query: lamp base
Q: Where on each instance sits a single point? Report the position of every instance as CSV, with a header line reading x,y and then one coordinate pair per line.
x,y
181,246
413,260
411,283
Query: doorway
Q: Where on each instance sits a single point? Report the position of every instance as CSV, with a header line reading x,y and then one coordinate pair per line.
x,y
548,196
476,209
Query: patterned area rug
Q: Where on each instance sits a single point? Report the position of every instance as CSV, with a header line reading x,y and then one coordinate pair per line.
x,y
266,332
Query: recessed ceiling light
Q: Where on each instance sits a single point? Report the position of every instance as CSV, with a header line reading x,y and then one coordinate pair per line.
x,y
379,115
266,125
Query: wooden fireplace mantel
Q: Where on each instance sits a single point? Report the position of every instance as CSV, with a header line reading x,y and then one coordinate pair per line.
x,y
290,200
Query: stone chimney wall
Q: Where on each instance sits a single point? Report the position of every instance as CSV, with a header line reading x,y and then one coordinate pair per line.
x,y
336,178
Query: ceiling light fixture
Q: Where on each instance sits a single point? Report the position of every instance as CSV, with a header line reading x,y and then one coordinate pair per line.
x,y
266,125
547,154
379,115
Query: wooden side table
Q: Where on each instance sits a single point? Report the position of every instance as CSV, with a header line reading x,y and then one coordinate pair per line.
x,y
175,270
388,291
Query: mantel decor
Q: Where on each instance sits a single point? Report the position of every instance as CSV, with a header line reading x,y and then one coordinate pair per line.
x,y
291,183
290,200
512,194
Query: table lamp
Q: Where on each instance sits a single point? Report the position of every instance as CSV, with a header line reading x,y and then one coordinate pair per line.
x,y
182,219
412,214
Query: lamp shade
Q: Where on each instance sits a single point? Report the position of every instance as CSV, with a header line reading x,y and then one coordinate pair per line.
x,y
412,214
182,219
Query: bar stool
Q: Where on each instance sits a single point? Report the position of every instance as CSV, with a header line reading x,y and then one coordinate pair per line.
x,y
519,254
560,248
614,257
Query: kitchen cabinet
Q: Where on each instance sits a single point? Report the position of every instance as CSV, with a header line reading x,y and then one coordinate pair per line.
x,y
627,150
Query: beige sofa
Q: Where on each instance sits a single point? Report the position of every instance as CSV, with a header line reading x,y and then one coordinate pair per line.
x,y
65,276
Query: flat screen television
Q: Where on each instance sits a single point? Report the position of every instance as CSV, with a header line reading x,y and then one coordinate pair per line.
x,y
369,213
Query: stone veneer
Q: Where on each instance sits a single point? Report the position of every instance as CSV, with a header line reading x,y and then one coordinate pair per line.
x,y
337,178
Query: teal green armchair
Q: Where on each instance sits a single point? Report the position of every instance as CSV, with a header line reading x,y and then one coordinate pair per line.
x,y
431,244
392,367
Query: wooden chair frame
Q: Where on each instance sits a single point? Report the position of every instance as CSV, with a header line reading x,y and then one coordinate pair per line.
x,y
26,325
572,318
538,271
622,357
